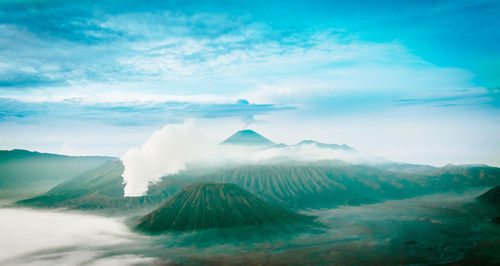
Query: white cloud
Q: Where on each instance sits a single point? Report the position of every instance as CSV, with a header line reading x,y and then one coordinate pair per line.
x,y
166,152
34,237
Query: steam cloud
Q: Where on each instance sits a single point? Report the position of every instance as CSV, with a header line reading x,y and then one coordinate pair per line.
x,y
175,147
166,152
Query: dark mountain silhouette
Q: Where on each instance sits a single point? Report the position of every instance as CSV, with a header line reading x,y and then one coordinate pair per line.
x,y
491,196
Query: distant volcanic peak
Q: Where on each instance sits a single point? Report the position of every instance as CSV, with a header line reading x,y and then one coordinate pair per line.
x,y
249,138
324,145
214,205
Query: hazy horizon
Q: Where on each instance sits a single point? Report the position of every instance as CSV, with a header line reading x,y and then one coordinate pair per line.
x,y
216,136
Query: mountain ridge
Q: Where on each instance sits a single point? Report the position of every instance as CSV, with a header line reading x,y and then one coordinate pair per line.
x,y
298,185
27,171
99,189
325,145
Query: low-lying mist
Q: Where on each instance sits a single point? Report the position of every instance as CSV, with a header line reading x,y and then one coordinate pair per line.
x,y
432,229
175,147
35,237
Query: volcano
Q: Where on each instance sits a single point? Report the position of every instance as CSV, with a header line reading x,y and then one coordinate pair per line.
x,y
215,205
248,138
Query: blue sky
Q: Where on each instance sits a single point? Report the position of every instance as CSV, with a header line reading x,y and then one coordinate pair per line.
x,y
96,77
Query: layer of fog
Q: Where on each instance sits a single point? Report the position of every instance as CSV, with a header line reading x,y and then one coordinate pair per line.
x,y
33,237
176,146
435,228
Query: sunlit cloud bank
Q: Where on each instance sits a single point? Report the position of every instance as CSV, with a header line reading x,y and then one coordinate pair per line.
x,y
175,147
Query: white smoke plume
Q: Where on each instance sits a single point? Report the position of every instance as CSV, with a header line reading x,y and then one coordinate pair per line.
x,y
174,147
166,152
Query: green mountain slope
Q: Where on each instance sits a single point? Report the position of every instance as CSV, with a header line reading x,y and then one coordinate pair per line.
x,y
317,185
293,184
491,196
100,188
215,205
492,200
332,183
25,170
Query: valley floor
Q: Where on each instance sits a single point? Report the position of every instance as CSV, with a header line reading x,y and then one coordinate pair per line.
x,y
434,229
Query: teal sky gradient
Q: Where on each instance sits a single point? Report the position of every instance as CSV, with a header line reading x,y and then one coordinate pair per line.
x,y
377,75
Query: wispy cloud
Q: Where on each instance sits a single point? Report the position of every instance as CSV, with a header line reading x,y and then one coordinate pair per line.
x,y
67,49
127,113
